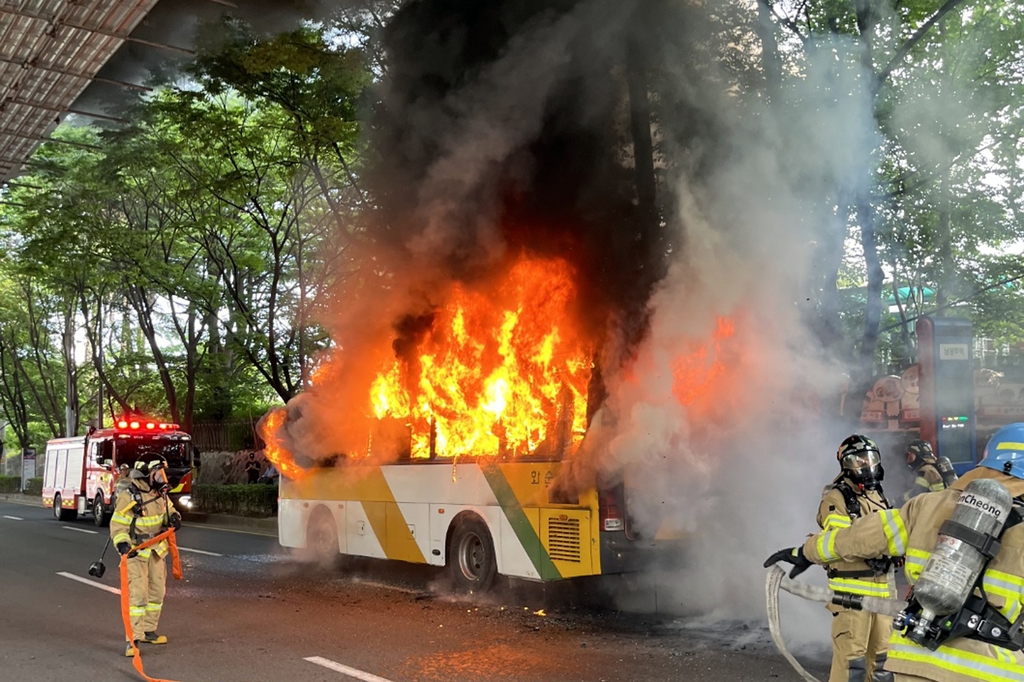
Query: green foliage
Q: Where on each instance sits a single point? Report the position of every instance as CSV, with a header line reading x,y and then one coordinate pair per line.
x,y
34,486
10,484
243,500
192,247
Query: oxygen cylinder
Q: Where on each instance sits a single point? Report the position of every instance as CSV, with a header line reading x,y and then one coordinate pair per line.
x,y
946,470
952,569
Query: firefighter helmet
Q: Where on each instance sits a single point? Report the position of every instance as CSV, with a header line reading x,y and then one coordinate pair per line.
x,y
1005,450
140,470
861,461
919,452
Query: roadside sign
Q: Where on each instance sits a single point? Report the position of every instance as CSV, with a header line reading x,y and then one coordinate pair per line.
x,y
28,465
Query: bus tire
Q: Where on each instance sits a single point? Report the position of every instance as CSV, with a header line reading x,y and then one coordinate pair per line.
x,y
60,513
322,538
471,559
100,515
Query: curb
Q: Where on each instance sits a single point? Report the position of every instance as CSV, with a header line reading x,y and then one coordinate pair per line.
x,y
18,498
267,526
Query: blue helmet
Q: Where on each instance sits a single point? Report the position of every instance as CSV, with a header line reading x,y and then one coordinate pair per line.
x,y
1005,450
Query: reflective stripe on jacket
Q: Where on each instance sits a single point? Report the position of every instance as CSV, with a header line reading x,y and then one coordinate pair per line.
x,y
912,531
833,516
148,524
928,480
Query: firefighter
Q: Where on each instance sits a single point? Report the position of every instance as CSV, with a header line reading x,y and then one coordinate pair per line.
x,y
858,637
922,461
991,654
123,481
142,511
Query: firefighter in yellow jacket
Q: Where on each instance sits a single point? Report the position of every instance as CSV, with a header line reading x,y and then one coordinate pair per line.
x,y
923,463
142,511
991,649
859,638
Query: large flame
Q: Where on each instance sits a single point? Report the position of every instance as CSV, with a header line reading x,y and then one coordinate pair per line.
x,y
696,376
271,430
501,374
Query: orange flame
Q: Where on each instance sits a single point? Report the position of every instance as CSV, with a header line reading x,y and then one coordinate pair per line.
x,y
495,379
695,375
270,430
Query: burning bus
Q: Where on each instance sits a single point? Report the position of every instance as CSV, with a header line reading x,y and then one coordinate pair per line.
x,y
473,432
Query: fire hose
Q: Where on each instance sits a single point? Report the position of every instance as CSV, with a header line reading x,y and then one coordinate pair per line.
x,y
125,598
777,580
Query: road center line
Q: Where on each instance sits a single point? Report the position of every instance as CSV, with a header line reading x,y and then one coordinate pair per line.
x,y
345,670
90,583
197,551
81,530
13,518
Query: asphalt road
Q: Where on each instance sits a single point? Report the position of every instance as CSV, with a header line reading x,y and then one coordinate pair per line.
x,y
249,611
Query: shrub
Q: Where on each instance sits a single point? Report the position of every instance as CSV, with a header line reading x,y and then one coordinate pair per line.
x,y
243,500
34,486
10,484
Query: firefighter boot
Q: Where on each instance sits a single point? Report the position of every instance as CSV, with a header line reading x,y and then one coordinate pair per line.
x,y
129,649
153,638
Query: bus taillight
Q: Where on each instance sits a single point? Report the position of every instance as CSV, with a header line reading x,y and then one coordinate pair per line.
x,y
609,513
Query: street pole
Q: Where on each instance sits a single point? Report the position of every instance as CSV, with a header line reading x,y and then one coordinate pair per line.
x,y
3,449
69,377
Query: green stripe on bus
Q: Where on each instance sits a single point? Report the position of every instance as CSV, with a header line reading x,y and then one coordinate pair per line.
x,y
521,525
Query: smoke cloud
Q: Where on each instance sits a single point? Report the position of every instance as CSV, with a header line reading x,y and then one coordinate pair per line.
x,y
504,128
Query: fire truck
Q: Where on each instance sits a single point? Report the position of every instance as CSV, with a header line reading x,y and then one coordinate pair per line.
x,y
81,472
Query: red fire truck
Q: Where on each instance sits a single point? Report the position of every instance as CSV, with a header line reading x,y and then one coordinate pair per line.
x,y
81,472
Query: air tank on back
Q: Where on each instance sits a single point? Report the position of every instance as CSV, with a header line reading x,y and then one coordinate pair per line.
x,y
946,470
952,569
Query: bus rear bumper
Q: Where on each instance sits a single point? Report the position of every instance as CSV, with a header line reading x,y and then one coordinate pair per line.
x,y
619,554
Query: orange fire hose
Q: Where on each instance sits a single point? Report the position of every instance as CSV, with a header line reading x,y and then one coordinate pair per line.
x,y
125,599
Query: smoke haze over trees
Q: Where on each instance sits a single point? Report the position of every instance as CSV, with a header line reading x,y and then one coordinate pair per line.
x,y
298,200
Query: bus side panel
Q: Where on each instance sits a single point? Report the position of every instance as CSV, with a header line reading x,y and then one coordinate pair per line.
x,y
291,523
514,558
566,536
413,521
363,522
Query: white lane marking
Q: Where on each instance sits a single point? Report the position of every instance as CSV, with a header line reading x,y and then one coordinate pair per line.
x,y
345,670
81,530
197,551
13,518
90,583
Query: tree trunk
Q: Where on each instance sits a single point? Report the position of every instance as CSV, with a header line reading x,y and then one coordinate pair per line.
x,y
643,155
770,60
944,245
873,306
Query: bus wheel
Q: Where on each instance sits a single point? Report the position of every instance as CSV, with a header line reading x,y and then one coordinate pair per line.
x,y
99,512
60,513
471,557
322,538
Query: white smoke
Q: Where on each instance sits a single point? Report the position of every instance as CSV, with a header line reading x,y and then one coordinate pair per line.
x,y
746,479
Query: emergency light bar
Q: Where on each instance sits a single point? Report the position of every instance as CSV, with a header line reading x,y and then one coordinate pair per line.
x,y
135,425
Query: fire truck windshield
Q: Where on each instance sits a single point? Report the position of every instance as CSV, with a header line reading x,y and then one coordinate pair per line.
x,y
177,452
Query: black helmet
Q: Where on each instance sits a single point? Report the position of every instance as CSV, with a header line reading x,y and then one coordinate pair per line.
x,y
140,470
919,452
861,461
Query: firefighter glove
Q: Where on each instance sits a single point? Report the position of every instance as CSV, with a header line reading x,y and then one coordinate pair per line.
x,y
792,555
123,548
175,521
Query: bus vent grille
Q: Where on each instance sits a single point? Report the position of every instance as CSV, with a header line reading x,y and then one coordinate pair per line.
x,y
564,540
